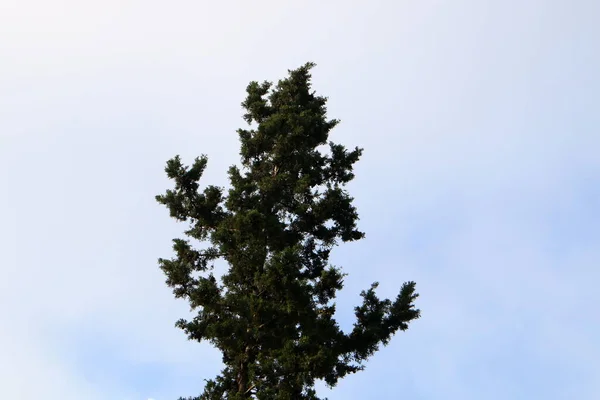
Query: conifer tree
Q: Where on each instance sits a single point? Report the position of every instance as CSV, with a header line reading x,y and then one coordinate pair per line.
x,y
271,314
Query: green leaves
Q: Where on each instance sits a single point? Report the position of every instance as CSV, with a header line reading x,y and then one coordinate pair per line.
x,y
272,313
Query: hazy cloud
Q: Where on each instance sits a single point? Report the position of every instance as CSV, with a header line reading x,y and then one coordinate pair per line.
x,y
480,181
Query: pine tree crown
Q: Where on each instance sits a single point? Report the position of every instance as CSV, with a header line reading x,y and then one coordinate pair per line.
x,y
272,313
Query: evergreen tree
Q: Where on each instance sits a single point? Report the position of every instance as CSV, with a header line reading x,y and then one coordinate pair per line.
x,y
272,313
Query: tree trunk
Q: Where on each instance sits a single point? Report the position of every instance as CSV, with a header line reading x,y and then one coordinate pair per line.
x,y
242,378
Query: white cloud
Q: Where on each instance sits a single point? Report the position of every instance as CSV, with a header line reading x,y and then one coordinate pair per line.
x,y
479,126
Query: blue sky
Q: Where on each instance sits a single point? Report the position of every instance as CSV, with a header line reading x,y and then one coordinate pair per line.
x,y
480,181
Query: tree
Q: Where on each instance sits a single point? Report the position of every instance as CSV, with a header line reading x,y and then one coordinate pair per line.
x,y
272,313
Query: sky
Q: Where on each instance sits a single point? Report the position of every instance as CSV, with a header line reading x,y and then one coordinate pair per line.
x,y
480,181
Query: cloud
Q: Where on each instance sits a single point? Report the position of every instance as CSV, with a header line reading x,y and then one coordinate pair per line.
x,y
479,181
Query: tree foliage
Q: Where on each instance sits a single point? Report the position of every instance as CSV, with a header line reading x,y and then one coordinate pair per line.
x,y
272,313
